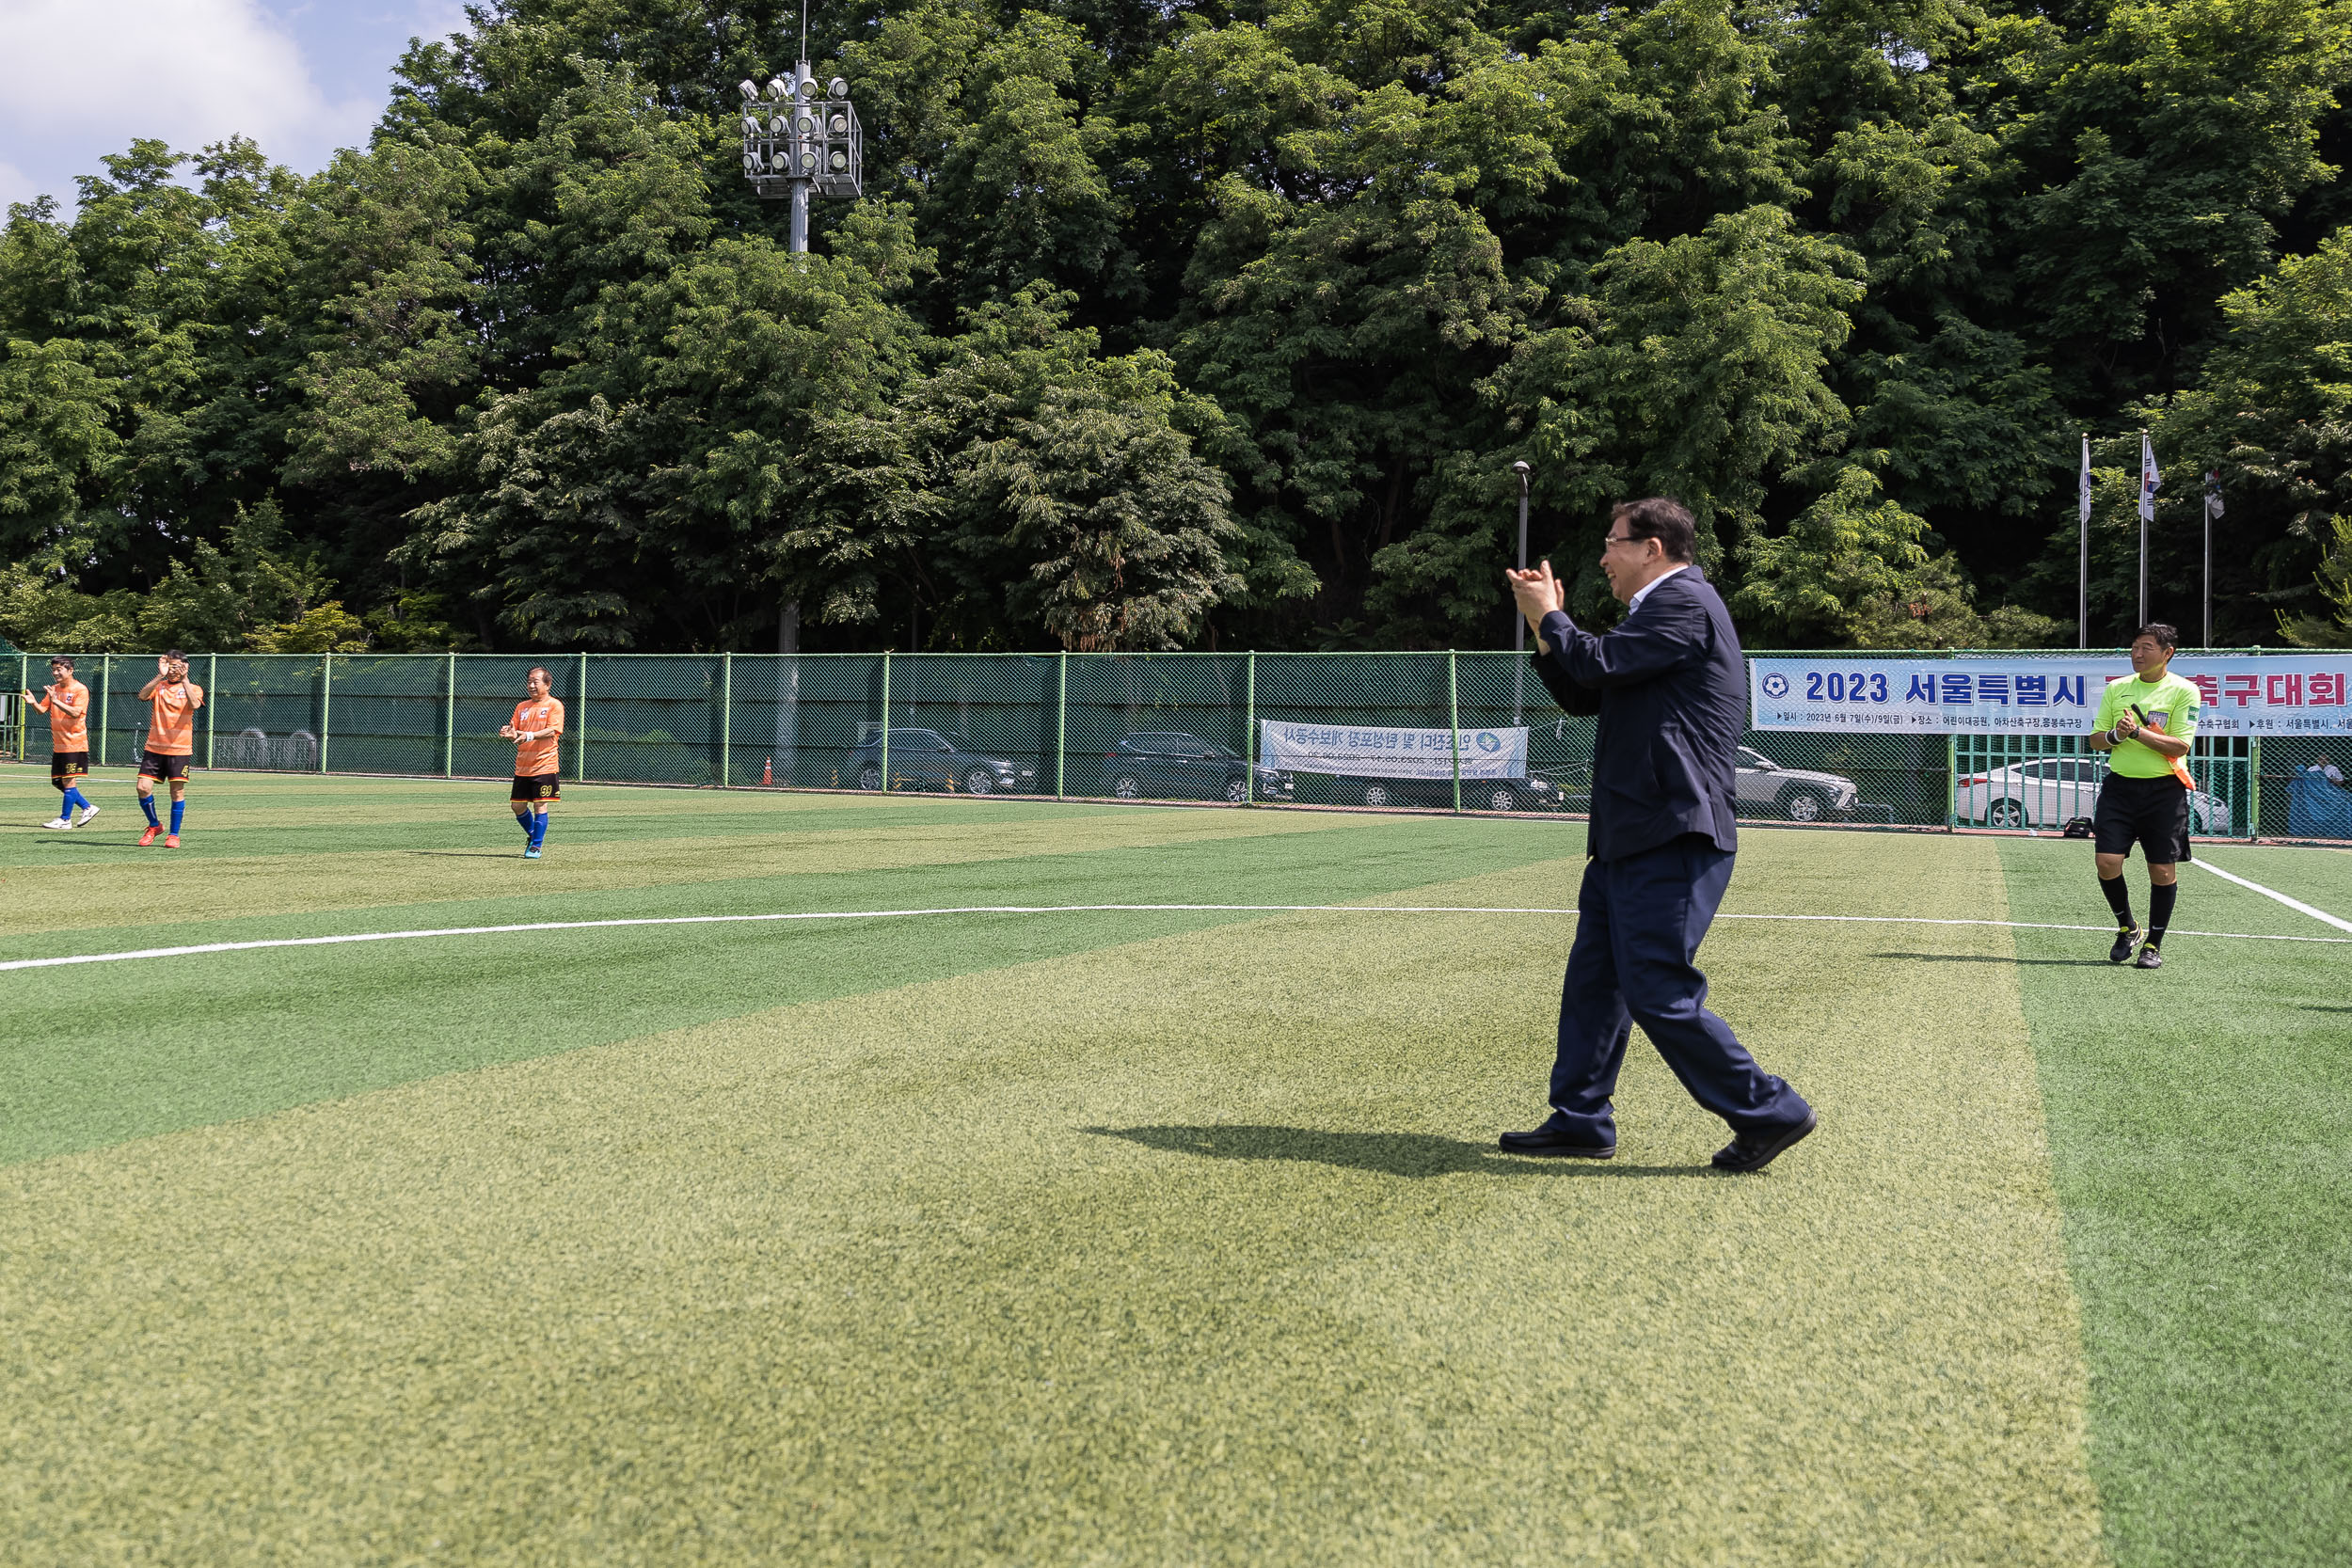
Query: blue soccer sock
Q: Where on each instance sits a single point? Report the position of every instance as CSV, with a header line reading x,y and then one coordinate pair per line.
x,y
179,810
522,820
147,804
75,800
538,830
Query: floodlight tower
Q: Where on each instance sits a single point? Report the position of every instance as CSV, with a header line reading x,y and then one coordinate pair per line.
x,y
796,139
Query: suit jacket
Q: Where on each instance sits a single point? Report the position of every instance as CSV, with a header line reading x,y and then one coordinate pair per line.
x,y
1670,691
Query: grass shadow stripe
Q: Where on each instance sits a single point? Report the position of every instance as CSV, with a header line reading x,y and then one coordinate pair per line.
x,y
850,1282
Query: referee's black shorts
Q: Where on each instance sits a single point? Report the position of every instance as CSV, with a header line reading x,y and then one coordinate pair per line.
x,y
2151,813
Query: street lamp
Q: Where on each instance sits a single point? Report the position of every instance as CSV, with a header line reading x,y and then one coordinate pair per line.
x,y
1519,623
798,138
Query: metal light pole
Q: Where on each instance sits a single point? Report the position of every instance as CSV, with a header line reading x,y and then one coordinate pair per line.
x,y
1519,621
795,141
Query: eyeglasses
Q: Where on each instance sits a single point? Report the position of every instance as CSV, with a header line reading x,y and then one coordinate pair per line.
x,y
1607,539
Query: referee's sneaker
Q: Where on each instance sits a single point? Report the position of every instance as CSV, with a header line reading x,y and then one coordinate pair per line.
x,y
2146,723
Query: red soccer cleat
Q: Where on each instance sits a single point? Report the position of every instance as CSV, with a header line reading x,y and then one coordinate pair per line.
x,y
171,841
149,837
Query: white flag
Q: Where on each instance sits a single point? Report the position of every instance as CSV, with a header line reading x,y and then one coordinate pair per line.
x,y
2148,479
2082,503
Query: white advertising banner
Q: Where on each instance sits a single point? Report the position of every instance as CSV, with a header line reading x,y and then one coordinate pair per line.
x,y
1354,752
2243,695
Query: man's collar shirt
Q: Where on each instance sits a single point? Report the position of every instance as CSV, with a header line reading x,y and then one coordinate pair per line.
x,y
1643,591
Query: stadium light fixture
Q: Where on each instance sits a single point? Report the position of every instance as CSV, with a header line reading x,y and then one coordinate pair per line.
x,y
803,143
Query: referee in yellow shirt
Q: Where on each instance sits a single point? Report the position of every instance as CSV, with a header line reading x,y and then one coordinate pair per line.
x,y
2145,722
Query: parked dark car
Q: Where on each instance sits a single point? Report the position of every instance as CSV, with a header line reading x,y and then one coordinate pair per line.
x,y
1161,765
937,759
1528,794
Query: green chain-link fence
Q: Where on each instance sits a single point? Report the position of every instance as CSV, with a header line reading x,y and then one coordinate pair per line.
x,y
1158,726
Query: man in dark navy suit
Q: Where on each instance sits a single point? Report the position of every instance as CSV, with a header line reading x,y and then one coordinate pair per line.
x,y
1672,696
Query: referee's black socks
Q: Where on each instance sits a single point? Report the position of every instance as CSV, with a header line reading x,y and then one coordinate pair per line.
x,y
2120,901
2160,897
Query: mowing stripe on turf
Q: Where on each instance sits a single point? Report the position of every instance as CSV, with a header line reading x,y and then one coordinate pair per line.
x,y
1203,1255
344,938
2295,904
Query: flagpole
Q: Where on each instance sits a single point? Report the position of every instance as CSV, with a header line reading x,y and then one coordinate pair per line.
x,y
2213,510
2082,580
2144,509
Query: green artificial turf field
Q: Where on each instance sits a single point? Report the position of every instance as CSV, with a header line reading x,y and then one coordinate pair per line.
x,y
1146,1236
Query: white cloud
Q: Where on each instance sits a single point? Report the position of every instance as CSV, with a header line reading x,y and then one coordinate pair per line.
x,y
84,74
16,185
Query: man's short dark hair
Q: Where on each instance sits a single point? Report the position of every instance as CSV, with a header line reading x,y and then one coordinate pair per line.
x,y
61,659
540,670
1663,518
2167,636
175,654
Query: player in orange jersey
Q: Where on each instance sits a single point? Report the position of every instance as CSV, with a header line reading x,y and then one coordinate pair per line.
x,y
67,703
537,732
170,742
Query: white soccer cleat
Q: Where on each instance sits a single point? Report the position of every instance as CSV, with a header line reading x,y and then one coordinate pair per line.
x,y
83,820
60,822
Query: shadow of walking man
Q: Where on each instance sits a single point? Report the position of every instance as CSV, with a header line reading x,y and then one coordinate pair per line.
x,y
1407,1155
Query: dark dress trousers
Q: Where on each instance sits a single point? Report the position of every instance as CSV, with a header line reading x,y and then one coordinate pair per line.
x,y
1670,694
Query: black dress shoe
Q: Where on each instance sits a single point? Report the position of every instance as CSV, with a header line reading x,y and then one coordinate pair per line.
x,y
1554,1142
1754,1150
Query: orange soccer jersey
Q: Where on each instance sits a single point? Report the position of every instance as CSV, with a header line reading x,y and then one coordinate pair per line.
x,y
68,716
171,727
545,717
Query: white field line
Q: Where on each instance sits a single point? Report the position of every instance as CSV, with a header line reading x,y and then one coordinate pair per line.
x,y
2294,904
1037,908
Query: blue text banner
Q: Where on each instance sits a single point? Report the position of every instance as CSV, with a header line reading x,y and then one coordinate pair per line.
x,y
2244,694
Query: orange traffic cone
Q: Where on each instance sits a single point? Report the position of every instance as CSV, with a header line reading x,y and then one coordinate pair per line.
x,y
768,773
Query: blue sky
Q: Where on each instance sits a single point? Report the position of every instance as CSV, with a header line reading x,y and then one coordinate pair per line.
x,y
79,78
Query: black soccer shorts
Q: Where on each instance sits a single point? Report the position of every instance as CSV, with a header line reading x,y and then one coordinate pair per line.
x,y
66,766
536,788
2151,813
154,764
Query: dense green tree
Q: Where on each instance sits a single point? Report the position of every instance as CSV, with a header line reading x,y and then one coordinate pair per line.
x,y
59,450
1195,325
1069,494
2271,414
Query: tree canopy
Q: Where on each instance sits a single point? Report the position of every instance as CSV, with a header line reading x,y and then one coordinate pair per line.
x,y
1201,324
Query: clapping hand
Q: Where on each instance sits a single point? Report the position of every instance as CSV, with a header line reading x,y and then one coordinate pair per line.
x,y
1536,590
1537,593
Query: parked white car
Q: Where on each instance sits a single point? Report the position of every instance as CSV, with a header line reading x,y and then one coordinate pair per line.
x,y
1764,788
2054,791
